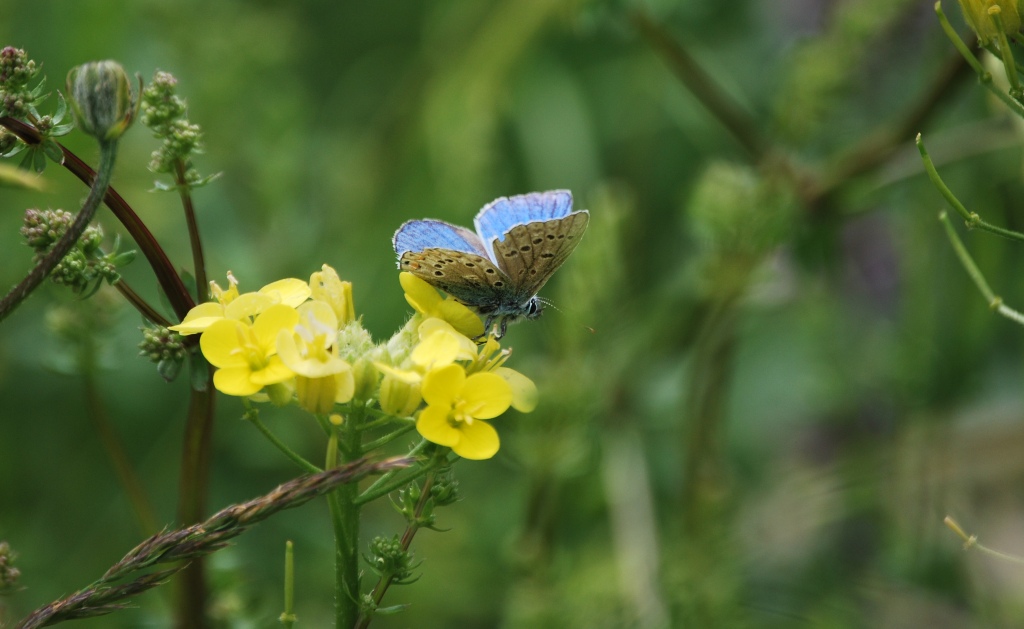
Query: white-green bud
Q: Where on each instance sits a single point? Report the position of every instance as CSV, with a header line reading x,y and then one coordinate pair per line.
x,y
100,94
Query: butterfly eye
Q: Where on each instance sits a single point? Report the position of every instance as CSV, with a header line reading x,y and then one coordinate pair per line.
x,y
534,308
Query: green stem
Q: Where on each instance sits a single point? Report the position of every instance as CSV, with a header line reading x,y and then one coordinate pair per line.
x,y
957,42
971,541
386,483
971,219
288,617
116,452
377,594
994,301
984,76
35,277
253,416
388,438
1009,66
345,519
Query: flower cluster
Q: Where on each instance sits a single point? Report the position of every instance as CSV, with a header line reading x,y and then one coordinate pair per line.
x,y
295,341
86,265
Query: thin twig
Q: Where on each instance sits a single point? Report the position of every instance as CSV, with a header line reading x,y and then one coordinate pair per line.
x,y
702,85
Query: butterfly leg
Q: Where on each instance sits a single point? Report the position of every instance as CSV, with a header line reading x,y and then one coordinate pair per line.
x,y
502,328
488,324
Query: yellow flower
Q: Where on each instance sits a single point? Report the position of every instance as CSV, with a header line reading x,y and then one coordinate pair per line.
x,y
457,404
490,359
246,355
309,350
328,287
978,14
230,304
429,303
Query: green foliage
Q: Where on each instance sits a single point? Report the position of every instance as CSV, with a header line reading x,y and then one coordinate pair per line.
x,y
790,378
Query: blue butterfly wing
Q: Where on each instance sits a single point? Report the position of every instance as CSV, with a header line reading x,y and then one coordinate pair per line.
x,y
451,258
500,215
418,235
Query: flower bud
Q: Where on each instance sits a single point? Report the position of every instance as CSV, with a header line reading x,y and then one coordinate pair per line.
x,y
399,398
100,94
978,14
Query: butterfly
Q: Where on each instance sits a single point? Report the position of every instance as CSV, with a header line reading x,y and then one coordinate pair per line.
x,y
519,243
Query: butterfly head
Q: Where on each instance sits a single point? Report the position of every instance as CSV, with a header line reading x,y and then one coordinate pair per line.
x,y
533,308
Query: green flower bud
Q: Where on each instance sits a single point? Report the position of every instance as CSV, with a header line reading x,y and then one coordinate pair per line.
x,y
100,94
399,398
978,14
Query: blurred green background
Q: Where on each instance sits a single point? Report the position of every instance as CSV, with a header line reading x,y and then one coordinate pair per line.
x,y
791,380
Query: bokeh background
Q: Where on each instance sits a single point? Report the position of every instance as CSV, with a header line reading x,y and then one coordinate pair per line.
x,y
791,379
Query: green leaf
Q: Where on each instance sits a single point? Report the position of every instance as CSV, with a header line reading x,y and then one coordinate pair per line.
x,y
53,151
124,259
62,108
169,369
199,371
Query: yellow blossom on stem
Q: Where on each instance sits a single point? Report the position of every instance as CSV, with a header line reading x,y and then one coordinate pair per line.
x,y
425,299
243,307
327,287
309,349
491,358
246,356
457,404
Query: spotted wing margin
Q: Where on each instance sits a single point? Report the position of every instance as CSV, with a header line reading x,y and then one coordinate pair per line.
x,y
419,235
468,277
530,253
496,218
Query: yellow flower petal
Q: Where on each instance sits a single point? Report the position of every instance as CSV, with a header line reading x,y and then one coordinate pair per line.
x,y
275,371
439,348
235,381
247,305
290,291
423,297
462,318
272,320
433,426
407,376
441,386
524,391
199,318
221,343
486,395
467,348
326,286
346,386
479,440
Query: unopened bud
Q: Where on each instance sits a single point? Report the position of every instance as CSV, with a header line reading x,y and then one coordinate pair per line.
x,y
100,94
978,14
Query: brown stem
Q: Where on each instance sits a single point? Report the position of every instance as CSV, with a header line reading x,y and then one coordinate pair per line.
x,y
195,467
198,260
168,278
141,304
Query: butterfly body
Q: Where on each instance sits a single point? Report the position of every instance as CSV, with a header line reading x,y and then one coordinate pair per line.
x,y
518,244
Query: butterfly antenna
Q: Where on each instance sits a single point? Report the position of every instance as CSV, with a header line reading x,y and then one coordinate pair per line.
x,y
549,304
